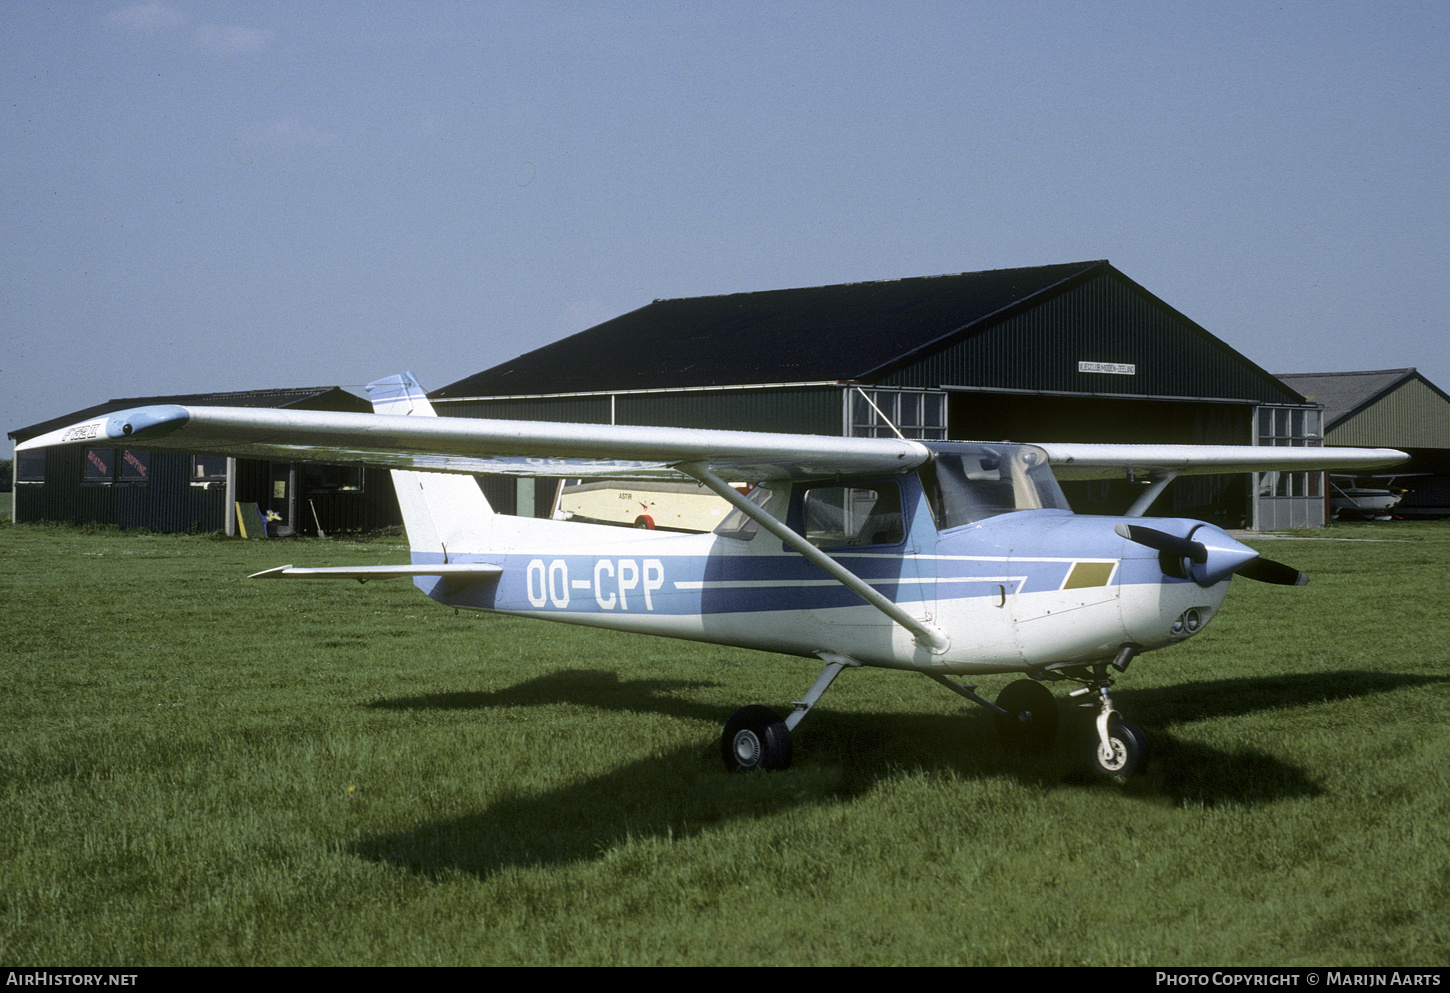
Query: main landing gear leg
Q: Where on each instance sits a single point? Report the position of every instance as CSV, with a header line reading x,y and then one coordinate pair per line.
x,y
1026,712
756,737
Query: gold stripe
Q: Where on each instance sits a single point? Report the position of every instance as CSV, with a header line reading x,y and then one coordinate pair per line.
x,y
1086,574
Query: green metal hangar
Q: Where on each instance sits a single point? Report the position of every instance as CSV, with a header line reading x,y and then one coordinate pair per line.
x,y
1074,352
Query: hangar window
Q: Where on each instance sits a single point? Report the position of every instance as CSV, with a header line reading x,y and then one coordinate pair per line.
x,y
337,478
1290,427
1295,427
135,467
107,466
208,469
100,466
919,415
30,466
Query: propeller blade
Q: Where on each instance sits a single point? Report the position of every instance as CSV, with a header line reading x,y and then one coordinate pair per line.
x,y
1229,557
1162,541
1268,571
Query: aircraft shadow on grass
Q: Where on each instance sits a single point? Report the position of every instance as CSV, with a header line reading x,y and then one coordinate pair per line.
x,y
585,687
683,792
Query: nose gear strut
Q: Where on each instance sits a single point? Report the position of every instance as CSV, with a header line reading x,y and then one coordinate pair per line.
x,y
1122,748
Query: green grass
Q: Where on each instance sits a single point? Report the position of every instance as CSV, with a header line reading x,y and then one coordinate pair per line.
x,y
200,770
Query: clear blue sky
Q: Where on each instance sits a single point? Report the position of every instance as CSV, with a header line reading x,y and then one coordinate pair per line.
x,y
200,195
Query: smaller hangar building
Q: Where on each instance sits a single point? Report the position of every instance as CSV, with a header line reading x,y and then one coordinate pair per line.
x,y
1072,352
1390,408
167,492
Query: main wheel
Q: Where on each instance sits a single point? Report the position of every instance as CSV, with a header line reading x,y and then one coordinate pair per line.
x,y
1126,752
1030,723
755,738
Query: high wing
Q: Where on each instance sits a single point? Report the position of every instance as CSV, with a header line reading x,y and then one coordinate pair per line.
x,y
471,445
538,448
1147,462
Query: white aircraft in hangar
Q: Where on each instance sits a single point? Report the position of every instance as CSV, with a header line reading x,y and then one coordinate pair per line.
x,y
946,558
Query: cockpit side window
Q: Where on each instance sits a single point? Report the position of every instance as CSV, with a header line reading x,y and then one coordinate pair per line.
x,y
837,515
967,482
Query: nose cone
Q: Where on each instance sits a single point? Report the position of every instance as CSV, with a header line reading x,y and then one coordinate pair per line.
x,y
1223,556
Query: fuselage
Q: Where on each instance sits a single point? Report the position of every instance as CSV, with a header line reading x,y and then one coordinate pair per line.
x,y
1014,590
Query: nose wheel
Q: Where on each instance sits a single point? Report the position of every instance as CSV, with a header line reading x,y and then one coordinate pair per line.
x,y
1122,747
1122,751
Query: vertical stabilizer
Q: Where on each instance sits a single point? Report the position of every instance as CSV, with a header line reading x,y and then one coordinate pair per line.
x,y
444,513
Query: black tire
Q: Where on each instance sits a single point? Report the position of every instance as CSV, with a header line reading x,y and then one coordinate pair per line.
x,y
1030,723
755,738
1128,747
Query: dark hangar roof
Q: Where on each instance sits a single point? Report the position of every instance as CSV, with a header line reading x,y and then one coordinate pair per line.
x,y
303,398
851,331
1343,393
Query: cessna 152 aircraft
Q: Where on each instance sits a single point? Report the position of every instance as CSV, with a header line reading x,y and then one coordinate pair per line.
x,y
947,558
1367,496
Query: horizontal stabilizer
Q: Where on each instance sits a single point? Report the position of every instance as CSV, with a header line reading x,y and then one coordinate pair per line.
x,y
362,573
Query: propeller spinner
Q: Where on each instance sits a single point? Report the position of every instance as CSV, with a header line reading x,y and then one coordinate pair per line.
x,y
1210,555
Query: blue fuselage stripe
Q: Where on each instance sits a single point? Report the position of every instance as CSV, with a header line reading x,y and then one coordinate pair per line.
x,y
680,584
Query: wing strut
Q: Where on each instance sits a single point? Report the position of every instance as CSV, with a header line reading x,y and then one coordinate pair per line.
x,y
927,635
1146,498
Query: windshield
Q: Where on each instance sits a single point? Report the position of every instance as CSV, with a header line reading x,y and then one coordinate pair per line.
x,y
968,481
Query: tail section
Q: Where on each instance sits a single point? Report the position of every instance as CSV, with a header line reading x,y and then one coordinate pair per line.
x,y
443,513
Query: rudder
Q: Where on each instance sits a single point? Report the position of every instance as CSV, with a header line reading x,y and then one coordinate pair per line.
x,y
442,511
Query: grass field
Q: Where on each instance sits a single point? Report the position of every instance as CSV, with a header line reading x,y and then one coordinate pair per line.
x,y
199,770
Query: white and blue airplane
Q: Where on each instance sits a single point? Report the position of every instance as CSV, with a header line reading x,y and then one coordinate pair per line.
x,y
947,558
